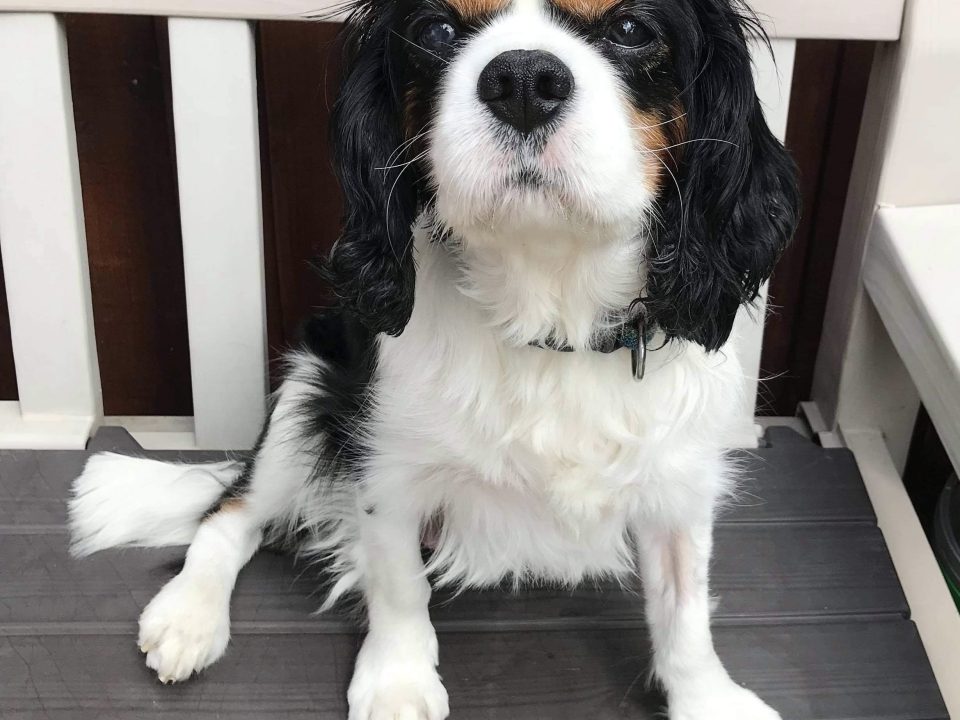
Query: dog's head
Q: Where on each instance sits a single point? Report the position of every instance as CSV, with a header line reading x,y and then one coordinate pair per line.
x,y
632,114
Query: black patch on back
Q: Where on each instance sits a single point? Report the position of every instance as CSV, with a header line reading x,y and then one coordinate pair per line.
x,y
332,419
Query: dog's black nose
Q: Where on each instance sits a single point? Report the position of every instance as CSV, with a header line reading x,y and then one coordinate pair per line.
x,y
525,88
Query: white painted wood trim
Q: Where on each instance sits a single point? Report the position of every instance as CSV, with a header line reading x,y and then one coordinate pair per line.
x,y
931,605
158,432
912,273
213,72
774,78
836,19
42,238
901,160
842,19
42,432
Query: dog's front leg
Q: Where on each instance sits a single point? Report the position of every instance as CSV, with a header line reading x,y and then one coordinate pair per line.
x,y
395,677
674,563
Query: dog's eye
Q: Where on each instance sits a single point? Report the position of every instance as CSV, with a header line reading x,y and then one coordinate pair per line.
x,y
629,32
437,36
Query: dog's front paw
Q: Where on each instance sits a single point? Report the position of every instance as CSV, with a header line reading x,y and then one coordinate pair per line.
x,y
397,680
720,699
186,627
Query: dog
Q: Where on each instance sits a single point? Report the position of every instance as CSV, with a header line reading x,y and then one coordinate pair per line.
x,y
553,211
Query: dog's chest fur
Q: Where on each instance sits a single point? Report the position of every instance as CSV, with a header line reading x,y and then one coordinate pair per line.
x,y
537,461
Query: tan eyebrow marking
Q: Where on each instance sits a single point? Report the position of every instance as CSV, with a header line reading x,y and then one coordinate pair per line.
x,y
586,9
472,9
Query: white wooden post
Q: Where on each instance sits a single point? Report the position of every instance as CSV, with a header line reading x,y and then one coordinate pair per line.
x,y
879,349
218,165
43,242
902,160
774,78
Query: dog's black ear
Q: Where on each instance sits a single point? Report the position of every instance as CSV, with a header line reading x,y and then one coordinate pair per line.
x,y
371,266
737,205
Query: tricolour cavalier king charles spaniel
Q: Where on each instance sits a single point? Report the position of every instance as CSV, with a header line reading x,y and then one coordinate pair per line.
x,y
554,210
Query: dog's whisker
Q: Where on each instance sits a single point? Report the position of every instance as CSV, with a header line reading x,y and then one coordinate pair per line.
x,y
420,47
402,147
660,124
420,156
389,197
688,142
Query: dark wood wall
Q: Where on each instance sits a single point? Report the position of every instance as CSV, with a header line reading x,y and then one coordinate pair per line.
x,y
299,74
829,87
119,72
121,88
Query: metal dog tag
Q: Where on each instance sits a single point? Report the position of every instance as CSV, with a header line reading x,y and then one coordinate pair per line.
x,y
638,355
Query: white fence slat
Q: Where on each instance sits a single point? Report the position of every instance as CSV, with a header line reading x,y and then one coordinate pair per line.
x,y
218,164
43,240
774,78
849,19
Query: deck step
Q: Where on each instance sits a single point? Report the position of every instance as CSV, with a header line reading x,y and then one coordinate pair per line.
x,y
810,614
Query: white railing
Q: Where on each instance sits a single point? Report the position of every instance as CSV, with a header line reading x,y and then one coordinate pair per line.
x,y
891,335
215,116
841,19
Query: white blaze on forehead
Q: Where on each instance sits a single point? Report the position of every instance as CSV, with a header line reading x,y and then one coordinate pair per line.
x,y
526,7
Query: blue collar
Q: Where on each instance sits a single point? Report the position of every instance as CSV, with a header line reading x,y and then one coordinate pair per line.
x,y
634,334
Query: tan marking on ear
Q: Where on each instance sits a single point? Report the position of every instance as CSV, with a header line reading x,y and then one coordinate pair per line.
x,y
651,139
586,9
472,9
677,127
659,138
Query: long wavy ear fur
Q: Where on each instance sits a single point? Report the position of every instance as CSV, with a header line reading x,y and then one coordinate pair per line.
x,y
738,203
371,267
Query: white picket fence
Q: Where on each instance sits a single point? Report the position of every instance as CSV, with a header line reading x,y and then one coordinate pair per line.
x,y
215,118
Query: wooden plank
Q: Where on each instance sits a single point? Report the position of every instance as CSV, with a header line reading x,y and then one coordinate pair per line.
x,y
829,19
799,541
70,677
213,73
120,81
910,272
792,481
904,117
832,672
761,573
851,19
931,603
43,241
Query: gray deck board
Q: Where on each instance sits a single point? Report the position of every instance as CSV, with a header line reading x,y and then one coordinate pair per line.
x,y
791,481
810,614
760,572
555,675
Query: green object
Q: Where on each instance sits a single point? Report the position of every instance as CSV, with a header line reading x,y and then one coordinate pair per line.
x,y
946,535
